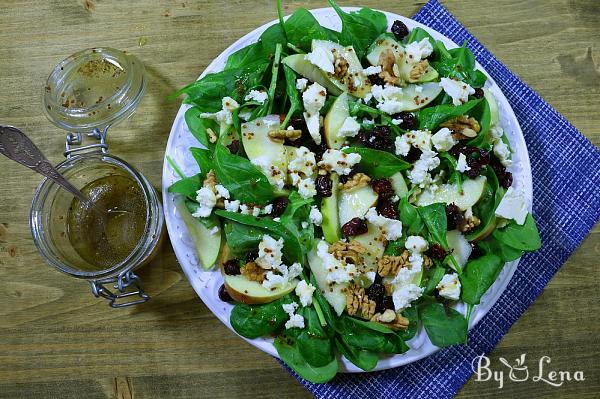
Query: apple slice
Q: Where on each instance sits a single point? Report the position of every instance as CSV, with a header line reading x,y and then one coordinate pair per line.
x,y
450,193
461,249
310,72
263,151
334,120
414,98
329,210
491,100
399,184
374,242
335,294
206,243
352,80
355,203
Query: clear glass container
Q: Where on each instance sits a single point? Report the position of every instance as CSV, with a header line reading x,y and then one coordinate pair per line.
x,y
86,94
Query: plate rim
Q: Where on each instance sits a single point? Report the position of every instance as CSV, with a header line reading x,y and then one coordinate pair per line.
x,y
265,344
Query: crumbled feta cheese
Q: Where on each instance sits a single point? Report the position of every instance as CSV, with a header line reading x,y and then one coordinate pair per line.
x,y
461,163
255,211
258,96
367,97
513,206
276,219
321,58
222,191
273,172
349,128
371,276
366,121
245,115
281,276
269,252
416,51
420,139
372,70
449,287
391,228
337,271
315,216
416,244
314,99
404,295
295,320
207,200
306,188
397,121
268,209
443,140
459,91
502,151
224,116
339,162
419,174
302,166
214,231
305,292
402,145
304,225
389,98
301,84
232,206
496,132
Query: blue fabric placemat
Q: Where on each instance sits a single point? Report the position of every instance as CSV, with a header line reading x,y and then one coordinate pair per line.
x,y
566,192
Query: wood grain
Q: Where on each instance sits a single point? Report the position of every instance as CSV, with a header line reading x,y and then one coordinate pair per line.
x,y
56,340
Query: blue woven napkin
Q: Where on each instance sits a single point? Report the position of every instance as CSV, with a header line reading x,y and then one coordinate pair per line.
x,y
566,192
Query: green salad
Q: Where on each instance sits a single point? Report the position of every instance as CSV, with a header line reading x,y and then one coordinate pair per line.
x,y
353,186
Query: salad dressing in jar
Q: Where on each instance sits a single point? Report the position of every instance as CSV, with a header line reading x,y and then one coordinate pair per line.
x,y
120,229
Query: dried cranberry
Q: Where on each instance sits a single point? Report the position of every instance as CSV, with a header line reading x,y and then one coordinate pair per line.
x,y
436,251
477,158
319,150
387,303
477,252
399,30
478,93
234,147
413,155
375,79
279,205
224,295
505,178
409,120
379,138
232,267
387,209
383,188
324,185
454,217
252,255
355,227
376,293
353,171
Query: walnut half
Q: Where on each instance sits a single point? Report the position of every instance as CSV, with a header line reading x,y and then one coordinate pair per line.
x,y
358,303
391,319
280,135
253,272
389,265
357,181
464,126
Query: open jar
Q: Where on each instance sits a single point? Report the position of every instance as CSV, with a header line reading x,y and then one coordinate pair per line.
x,y
86,94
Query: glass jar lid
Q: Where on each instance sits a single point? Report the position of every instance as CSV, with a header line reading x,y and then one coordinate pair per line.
x,y
93,89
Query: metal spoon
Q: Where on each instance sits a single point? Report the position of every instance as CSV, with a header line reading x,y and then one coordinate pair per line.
x,y
18,147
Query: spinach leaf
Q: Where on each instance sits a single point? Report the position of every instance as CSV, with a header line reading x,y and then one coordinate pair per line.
x,y
244,181
478,276
413,323
313,342
378,163
242,238
292,247
444,328
302,27
187,186
459,63
418,34
430,118
292,93
208,92
359,29
395,247
288,350
198,126
492,246
525,237
410,218
368,338
328,314
363,359
252,321
434,217
482,138
271,37
204,158
486,206
246,55
434,278
378,19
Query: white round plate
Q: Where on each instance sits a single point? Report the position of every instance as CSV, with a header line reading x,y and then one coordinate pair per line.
x,y
206,284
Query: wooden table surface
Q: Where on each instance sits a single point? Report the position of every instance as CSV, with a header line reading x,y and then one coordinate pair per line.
x,y
57,341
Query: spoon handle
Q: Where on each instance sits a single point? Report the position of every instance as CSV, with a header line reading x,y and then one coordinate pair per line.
x,y
18,147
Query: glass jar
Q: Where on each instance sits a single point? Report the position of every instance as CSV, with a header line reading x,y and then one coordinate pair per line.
x,y
86,94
